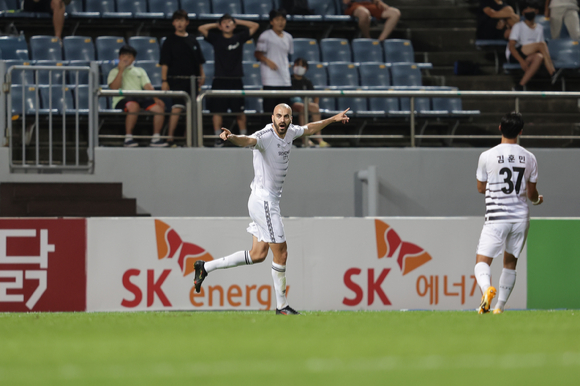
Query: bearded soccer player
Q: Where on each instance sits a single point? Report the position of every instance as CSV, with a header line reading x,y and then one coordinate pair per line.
x,y
271,147
507,174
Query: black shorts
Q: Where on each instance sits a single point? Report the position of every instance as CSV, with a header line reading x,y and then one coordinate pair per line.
x,y
514,60
271,103
181,85
145,103
222,105
40,6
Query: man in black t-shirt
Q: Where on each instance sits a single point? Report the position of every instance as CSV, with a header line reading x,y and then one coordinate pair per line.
x,y
228,74
181,58
495,20
300,82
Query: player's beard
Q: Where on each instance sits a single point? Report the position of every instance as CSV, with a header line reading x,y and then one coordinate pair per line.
x,y
280,130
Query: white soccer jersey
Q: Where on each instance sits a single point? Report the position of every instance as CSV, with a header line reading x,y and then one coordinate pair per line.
x,y
276,49
271,157
507,168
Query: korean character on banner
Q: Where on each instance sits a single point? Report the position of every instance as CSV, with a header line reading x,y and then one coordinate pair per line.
x,y
429,285
461,286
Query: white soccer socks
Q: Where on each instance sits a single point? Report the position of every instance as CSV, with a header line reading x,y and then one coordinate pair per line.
x,y
233,260
507,281
279,277
483,276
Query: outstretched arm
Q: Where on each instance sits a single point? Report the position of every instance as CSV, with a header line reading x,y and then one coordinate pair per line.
x,y
238,140
315,127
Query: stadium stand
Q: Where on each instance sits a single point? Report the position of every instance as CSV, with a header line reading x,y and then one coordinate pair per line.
x,y
374,75
252,77
318,75
196,9
166,7
307,49
56,100
78,48
258,7
146,46
83,76
108,47
153,69
208,69
343,74
248,54
367,50
335,50
45,48
45,77
233,7
405,74
20,95
14,47
206,48
20,76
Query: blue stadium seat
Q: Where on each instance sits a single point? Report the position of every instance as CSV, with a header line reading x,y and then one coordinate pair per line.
x,y
146,46
327,105
544,22
258,7
342,74
383,106
83,76
233,7
111,9
14,47
56,101
249,48
206,48
356,104
100,7
74,7
208,69
28,93
565,53
196,8
45,48
453,107
252,76
254,105
367,50
108,47
317,74
167,7
405,74
81,97
335,50
398,51
331,10
20,76
88,9
47,76
78,48
422,105
153,69
374,75
132,6
307,49
105,69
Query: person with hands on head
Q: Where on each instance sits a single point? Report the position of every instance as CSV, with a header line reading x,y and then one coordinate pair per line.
x,y
229,71
180,59
126,76
271,147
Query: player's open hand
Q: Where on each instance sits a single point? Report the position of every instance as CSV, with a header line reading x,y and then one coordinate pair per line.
x,y
225,134
342,117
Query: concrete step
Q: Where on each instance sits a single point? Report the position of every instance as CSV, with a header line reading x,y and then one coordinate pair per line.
x,y
443,39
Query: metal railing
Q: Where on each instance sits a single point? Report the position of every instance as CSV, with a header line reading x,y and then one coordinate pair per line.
x,y
37,161
189,111
516,95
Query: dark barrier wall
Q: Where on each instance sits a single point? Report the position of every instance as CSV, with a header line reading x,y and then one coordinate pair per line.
x,y
320,182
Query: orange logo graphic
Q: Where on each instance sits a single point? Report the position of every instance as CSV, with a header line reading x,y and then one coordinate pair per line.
x,y
410,256
169,244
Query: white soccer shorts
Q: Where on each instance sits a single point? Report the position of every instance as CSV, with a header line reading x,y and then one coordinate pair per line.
x,y
267,223
495,237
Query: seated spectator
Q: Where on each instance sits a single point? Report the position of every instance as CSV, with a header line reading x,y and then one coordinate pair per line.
x,y
527,47
363,10
55,7
300,82
563,11
495,20
128,77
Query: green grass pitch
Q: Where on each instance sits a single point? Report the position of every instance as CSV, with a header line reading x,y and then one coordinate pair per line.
x,y
316,348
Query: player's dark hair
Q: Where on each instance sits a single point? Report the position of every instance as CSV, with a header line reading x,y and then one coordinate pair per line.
x,y
511,125
180,14
225,16
302,62
127,49
532,4
277,12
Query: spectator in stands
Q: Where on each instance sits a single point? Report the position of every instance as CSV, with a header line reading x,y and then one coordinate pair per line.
x,y
495,20
272,50
527,47
228,73
55,7
300,82
181,58
128,77
364,10
563,11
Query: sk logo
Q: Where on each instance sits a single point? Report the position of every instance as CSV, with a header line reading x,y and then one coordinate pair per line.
x,y
410,255
169,244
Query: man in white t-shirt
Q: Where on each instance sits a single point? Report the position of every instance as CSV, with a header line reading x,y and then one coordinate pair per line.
x,y
566,11
527,47
272,50
271,147
507,174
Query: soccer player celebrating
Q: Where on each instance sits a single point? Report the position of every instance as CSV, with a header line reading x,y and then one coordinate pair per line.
x,y
271,147
506,174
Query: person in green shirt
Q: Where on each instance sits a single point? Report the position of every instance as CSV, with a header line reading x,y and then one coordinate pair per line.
x,y
126,76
